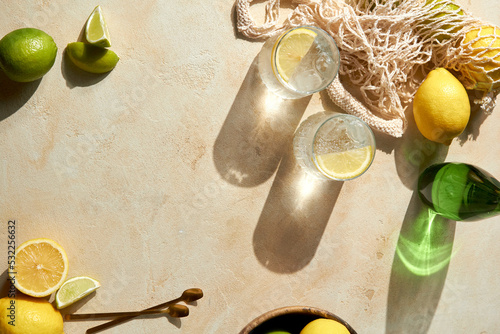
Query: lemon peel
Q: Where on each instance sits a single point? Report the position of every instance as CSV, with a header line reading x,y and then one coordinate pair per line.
x,y
323,326
32,315
441,107
483,43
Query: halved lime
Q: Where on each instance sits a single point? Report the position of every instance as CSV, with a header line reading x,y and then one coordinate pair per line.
x,y
96,29
91,58
74,290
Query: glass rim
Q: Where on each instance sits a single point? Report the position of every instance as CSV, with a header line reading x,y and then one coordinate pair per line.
x,y
275,50
371,136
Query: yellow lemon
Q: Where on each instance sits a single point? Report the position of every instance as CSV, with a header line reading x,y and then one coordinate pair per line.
x,y
27,54
23,315
485,44
441,107
41,267
324,326
439,9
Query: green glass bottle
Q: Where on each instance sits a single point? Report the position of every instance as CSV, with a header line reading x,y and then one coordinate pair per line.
x,y
459,191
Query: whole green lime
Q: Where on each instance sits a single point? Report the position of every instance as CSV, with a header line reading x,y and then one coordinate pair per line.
x,y
27,54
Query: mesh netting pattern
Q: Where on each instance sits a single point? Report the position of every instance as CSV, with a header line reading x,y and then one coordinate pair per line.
x,y
387,47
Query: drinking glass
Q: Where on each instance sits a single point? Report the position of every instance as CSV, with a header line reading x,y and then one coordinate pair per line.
x,y
300,62
334,146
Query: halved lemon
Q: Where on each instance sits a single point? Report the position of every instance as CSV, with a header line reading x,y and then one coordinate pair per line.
x,y
292,47
96,29
346,165
41,266
75,289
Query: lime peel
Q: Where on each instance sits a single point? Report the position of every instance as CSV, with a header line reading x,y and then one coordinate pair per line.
x,y
27,54
92,58
96,29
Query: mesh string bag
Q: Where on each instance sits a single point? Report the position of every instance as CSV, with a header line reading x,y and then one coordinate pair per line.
x,y
387,47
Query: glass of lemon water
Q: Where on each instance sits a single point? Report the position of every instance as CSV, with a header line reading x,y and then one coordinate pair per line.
x,y
300,62
334,146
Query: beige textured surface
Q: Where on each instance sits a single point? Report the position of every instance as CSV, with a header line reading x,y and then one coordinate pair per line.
x,y
174,171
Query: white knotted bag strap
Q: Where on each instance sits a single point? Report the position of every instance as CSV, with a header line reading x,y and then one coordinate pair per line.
x,y
246,24
346,101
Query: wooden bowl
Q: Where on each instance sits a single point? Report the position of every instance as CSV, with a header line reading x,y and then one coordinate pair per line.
x,y
290,318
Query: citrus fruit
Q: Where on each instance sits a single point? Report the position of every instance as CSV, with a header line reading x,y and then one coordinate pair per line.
x,y
485,44
91,58
75,289
292,47
27,54
324,326
347,164
441,107
96,30
41,267
24,314
442,8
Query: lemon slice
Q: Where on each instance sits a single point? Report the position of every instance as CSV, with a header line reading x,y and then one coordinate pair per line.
x,y
41,267
75,289
291,49
346,165
96,30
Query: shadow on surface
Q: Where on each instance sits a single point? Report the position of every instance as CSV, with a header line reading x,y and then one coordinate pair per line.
x,y
13,95
112,322
256,132
76,77
419,270
413,153
77,305
5,284
477,117
294,217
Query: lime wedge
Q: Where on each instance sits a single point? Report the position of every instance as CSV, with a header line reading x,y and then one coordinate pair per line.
x,y
91,58
291,49
75,289
96,30
347,164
